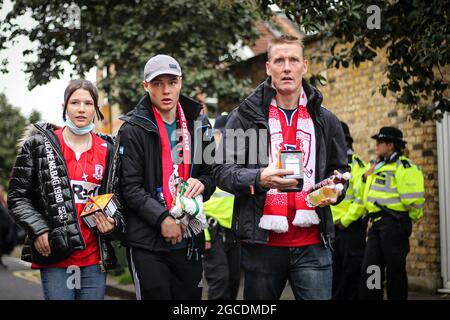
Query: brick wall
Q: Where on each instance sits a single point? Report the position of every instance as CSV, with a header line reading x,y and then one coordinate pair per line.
x,y
352,94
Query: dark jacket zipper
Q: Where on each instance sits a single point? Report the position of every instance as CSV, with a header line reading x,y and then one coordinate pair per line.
x,y
108,181
102,258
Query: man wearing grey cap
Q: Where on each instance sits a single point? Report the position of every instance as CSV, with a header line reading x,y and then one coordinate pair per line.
x,y
157,146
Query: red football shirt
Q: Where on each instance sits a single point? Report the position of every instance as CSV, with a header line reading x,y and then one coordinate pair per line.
x,y
91,163
295,236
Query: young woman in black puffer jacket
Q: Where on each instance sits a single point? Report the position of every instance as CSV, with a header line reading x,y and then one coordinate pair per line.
x,y
56,170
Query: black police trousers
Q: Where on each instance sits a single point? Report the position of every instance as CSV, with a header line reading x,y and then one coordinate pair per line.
x,y
221,266
386,250
348,253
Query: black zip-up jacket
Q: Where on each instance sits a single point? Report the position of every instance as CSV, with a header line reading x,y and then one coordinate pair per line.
x,y
34,205
242,179
141,171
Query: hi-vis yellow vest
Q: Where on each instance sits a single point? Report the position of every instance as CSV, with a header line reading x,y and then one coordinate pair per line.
x,y
220,207
357,169
397,186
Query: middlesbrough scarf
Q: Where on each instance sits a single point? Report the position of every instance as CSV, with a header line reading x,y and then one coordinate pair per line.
x,y
172,172
275,210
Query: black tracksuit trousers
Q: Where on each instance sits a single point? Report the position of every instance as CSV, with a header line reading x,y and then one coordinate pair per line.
x,y
222,266
165,275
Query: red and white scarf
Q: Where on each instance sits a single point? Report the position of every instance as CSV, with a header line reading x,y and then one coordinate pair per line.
x,y
171,173
275,210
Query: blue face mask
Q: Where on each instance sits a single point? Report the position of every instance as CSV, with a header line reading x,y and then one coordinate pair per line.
x,y
79,131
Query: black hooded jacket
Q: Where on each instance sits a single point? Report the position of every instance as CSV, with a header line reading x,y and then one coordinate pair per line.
x,y
242,179
141,171
35,206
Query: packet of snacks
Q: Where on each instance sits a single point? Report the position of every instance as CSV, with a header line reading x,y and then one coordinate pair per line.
x,y
106,203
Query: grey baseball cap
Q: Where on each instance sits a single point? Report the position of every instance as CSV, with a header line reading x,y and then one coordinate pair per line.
x,y
161,64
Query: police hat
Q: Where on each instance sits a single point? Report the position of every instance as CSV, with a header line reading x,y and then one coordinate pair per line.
x,y
221,121
390,134
346,132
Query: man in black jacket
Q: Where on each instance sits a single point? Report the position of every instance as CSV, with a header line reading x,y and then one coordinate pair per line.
x,y
165,264
282,238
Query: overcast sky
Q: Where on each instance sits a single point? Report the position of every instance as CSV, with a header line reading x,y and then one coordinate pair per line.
x,y
46,99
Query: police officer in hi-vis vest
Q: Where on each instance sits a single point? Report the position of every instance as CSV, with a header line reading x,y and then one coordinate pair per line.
x,y
392,196
350,231
221,260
